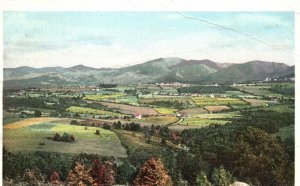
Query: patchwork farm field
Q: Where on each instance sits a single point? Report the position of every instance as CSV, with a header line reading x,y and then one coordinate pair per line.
x,y
28,137
218,101
201,122
164,110
157,98
85,110
256,102
128,109
157,120
217,108
103,97
131,100
193,111
259,91
204,120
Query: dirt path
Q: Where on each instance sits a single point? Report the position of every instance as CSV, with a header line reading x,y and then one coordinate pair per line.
x,y
180,120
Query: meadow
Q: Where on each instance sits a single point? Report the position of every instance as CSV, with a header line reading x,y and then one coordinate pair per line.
x,y
27,139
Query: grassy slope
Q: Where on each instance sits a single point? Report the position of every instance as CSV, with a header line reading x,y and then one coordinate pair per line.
x,y
27,139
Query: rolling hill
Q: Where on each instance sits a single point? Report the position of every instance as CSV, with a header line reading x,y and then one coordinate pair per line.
x,y
158,70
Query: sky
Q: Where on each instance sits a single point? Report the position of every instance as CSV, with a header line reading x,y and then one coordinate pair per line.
x,y
118,39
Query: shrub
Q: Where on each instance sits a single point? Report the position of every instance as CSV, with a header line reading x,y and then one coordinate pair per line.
x,y
56,137
106,126
133,127
119,125
72,138
97,132
37,113
73,122
65,137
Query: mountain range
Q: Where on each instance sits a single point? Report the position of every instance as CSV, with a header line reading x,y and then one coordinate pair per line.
x,y
158,70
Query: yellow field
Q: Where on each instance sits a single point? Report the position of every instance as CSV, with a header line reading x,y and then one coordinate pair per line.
x,y
85,110
216,108
28,122
256,102
218,101
163,110
99,97
157,120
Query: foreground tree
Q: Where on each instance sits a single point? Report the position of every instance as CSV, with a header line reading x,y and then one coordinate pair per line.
x,y
103,173
79,176
125,173
202,180
153,173
261,156
221,177
54,178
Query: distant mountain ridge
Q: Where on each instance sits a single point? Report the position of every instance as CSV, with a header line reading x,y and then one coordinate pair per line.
x,y
157,70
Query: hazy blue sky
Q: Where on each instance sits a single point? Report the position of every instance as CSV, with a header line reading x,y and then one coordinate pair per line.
x,y
114,39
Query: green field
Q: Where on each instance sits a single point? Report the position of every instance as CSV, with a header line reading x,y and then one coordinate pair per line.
x,y
218,116
206,119
157,120
280,108
207,101
259,90
201,122
127,99
27,140
193,111
103,97
85,110
164,110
